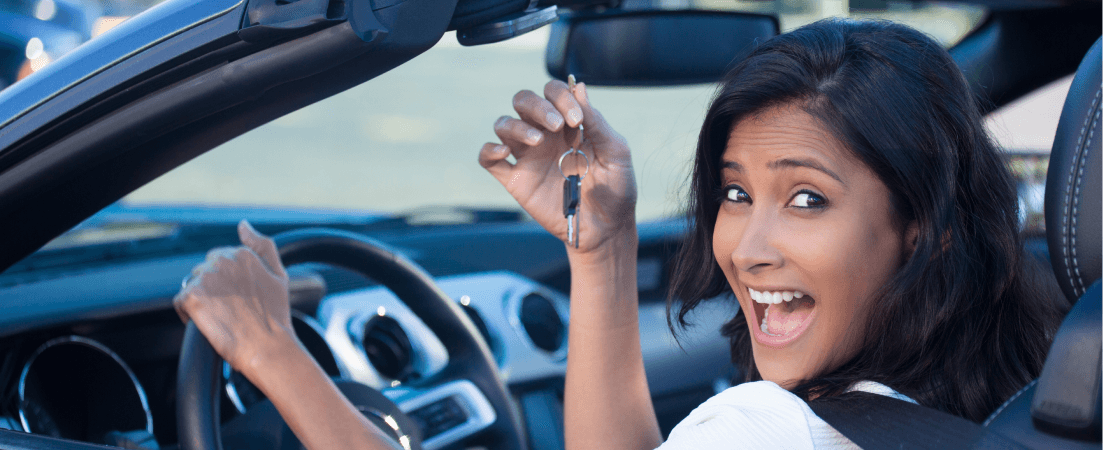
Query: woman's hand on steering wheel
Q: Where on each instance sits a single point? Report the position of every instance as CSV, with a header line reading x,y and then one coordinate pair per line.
x,y
239,300
548,127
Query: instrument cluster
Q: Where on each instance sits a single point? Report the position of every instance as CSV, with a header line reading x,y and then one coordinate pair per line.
x,y
76,388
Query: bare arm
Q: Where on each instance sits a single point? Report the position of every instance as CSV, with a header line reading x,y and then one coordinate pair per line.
x,y
608,404
311,404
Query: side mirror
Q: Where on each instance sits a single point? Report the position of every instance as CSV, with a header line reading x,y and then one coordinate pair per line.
x,y
653,48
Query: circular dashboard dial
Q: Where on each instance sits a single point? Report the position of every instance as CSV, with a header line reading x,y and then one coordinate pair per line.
x,y
76,388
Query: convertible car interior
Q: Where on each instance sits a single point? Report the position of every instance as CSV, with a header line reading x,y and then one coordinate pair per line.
x,y
446,334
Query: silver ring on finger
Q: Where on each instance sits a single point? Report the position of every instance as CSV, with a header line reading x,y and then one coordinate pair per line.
x,y
186,280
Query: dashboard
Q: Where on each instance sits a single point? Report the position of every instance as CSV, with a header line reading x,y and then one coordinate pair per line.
x,y
92,356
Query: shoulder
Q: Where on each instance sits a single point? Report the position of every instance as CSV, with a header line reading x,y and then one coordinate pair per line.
x,y
751,415
756,395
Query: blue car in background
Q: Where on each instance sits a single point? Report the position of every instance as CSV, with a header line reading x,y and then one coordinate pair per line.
x,y
33,34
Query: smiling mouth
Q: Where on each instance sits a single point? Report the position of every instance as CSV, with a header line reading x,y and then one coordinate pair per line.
x,y
782,316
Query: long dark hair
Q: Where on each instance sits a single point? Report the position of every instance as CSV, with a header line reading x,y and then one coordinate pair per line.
x,y
965,322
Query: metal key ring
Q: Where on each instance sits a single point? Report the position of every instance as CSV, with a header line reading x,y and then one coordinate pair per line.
x,y
573,150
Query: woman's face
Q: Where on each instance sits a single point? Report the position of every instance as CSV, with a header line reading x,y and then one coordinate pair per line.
x,y
805,236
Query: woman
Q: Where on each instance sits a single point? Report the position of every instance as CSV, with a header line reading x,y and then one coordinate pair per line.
x,y
844,191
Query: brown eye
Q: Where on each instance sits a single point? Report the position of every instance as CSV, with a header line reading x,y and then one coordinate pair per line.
x,y
736,194
808,199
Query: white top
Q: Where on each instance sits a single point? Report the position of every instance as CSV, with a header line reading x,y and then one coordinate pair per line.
x,y
762,415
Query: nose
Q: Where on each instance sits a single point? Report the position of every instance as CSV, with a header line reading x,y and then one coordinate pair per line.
x,y
755,250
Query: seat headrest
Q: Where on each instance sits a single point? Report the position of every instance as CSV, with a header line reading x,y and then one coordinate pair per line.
x,y
1073,197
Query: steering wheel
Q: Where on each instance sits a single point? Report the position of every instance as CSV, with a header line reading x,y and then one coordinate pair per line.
x,y
199,373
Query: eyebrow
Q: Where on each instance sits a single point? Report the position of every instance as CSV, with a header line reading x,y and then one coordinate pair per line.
x,y
733,166
790,163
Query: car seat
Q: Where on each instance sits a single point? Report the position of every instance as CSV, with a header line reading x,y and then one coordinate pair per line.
x,y
1061,409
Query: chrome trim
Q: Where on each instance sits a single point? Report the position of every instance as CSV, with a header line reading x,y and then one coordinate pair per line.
x,y
227,370
231,390
94,345
513,315
480,414
403,437
119,60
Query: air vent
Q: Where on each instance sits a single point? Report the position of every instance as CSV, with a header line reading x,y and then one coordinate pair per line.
x,y
388,348
542,322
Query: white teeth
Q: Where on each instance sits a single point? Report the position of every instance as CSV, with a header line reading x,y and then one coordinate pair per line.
x,y
774,298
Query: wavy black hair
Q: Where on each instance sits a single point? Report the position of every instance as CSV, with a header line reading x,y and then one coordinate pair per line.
x,y
968,318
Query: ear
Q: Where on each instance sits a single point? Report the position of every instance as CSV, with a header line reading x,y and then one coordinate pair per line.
x,y
911,237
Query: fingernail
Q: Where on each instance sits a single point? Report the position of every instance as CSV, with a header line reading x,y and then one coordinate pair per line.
x,y
533,137
575,115
554,120
501,149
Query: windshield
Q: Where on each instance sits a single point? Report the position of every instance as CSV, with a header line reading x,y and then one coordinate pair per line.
x,y
409,139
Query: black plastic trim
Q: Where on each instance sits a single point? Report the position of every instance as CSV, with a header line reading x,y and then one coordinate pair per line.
x,y
1067,400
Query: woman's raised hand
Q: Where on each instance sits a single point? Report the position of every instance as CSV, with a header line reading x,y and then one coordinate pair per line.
x,y
548,127
239,300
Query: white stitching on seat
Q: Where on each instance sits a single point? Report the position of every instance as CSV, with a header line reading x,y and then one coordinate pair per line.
x,y
1065,216
1076,203
1008,402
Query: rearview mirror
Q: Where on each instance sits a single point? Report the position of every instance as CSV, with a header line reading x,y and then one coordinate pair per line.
x,y
653,48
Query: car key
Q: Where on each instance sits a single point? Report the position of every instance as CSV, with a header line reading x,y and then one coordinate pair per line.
x,y
572,198
572,186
